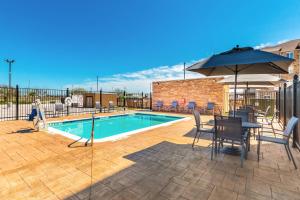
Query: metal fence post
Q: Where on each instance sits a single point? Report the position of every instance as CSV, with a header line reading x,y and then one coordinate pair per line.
x,y
68,94
279,113
295,95
284,105
150,100
124,99
17,102
142,100
101,100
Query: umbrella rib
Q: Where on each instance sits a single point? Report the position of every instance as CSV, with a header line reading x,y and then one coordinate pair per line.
x,y
276,67
229,68
245,67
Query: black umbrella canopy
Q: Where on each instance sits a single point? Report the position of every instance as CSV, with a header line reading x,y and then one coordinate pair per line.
x,y
242,61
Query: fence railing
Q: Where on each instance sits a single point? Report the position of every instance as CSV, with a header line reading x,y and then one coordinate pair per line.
x,y
16,103
135,100
288,106
260,99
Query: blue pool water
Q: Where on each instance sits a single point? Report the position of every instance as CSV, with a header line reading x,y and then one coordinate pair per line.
x,y
113,125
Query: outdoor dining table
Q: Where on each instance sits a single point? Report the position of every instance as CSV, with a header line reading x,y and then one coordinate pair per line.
x,y
246,125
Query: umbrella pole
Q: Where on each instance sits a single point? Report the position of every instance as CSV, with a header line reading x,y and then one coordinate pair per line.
x,y
235,83
246,93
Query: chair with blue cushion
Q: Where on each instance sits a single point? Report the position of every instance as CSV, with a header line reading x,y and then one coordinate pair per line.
x,y
210,107
191,106
174,106
159,105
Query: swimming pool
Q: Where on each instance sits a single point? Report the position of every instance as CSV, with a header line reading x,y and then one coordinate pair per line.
x,y
111,127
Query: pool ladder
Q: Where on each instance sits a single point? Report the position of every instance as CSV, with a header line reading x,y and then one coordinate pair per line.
x,y
91,138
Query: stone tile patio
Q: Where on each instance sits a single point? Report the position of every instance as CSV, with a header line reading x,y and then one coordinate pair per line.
x,y
157,164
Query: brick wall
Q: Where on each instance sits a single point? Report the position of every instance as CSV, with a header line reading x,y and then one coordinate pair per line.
x,y
201,91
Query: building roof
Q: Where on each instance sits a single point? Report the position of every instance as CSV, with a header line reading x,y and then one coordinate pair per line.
x,y
284,47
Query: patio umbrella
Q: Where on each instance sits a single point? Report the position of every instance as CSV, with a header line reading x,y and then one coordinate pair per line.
x,y
242,61
258,79
254,80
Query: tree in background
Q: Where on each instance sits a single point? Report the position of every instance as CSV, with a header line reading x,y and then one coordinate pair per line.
x,y
78,90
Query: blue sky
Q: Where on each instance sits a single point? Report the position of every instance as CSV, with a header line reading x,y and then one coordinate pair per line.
x,y
129,43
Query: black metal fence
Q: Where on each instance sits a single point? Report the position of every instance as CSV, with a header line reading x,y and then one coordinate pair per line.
x,y
16,103
288,106
135,100
261,99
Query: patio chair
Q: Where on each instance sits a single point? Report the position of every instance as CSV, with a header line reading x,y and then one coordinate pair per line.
x,y
59,108
284,140
269,124
210,107
251,113
199,127
263,114
229,130
111,106
99,107
243,114
159,105
191,106
174,106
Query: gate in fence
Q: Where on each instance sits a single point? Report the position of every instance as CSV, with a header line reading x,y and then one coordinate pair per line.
x,y
288,106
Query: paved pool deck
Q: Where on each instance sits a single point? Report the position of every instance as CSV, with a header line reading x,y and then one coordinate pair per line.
x,y
156,164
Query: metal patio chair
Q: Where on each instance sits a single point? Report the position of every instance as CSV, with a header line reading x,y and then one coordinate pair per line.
x,y
210,107
229,130
243,114
263,114
191,106
199,127
111,106
284,140
159,105
174,106
99,107
59,109
269,124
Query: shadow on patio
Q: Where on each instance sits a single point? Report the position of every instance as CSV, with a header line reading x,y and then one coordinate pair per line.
x,y
174,171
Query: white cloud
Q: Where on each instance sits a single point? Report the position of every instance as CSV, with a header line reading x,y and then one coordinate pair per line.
x,y
137,81
140,81
262,45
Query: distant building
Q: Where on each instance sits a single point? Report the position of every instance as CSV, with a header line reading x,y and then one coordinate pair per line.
x,y
290,49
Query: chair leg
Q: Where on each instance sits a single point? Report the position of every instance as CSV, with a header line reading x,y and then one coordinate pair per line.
x,y
194,140
242,155
258,147
212,147
199,136
288,147
273,130
287,152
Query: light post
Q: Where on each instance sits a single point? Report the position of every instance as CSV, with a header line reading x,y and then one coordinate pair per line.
x,y
97,83
184,71
9,71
